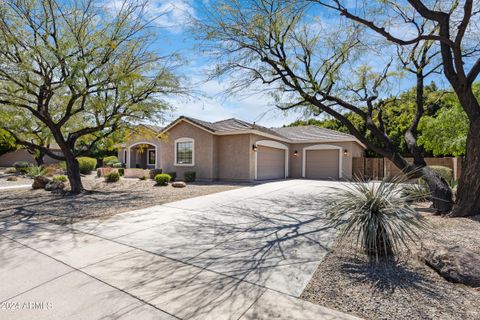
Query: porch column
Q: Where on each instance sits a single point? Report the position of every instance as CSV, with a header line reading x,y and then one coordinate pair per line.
x,y
127,161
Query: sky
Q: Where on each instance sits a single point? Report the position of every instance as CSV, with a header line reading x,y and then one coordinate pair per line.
x,y
210,103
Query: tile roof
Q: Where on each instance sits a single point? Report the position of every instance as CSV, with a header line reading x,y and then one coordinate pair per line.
x,y
294,134
309,133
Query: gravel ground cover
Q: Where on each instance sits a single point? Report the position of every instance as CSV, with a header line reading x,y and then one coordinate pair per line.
x,y
102,200
21,180
401,289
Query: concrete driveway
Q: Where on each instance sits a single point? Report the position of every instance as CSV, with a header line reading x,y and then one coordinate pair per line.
x,y
241,254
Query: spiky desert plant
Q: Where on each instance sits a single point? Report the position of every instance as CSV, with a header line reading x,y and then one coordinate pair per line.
x,y
376,216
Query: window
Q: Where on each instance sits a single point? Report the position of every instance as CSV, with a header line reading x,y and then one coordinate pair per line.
x,y
151,157
184,154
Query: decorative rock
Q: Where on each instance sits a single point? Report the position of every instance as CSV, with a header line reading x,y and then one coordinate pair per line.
x,y
456,264
179,184
12,178
40,182
55,185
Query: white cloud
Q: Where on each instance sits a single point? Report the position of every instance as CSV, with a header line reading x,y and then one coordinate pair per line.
x,y
173,15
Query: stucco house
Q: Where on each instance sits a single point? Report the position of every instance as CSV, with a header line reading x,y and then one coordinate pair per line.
x,y
240,151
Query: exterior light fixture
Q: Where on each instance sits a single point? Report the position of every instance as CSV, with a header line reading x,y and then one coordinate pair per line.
x,y
345,151
295,153
254,147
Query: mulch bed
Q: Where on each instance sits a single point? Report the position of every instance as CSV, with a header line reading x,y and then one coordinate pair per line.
x,y
401,289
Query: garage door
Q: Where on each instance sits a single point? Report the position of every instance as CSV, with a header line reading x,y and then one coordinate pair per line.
x,y
270,163
321,164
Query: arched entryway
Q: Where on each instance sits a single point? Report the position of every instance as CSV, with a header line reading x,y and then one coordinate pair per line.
x,y
142,155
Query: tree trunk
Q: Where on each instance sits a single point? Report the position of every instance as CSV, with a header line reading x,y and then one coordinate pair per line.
x,y
439,189
39,158
73,173
468,193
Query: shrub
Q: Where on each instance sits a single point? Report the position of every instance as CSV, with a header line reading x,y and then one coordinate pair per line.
x,y
445,172
35,171
173,175
60,178
375,216
162,179
121,171
154,173
86,164
118,165
143,178
110,161
21,166
190,176
414,192
10,170
112,177
51,170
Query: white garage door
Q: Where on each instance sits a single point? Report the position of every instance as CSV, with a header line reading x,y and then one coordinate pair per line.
x,y
270,163
321,164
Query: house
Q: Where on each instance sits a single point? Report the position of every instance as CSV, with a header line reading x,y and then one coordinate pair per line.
x,y
9,158
237,150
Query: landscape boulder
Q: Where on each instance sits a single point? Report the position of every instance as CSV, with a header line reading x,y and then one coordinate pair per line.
x,y
179,184
12,178
55,186
40,182
454,263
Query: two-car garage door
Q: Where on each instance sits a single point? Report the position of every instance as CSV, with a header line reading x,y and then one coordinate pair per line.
x,y
270,163
322,164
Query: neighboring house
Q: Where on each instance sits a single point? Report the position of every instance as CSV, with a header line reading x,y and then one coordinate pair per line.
x,y
237,150
9,158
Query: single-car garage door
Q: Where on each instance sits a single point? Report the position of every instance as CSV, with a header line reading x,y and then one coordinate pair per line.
x,y
270,163
321,164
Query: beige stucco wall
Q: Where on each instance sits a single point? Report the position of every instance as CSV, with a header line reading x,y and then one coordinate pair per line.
x,y
233,157
204,147
8,159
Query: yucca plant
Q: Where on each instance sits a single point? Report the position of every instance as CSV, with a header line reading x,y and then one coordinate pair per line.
x,y
377,216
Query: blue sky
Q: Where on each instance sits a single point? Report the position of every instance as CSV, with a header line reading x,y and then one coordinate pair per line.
x,y
173,17
211,104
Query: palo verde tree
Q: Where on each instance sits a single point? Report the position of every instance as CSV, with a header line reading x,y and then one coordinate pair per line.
x,y
82,70
313,65
453,26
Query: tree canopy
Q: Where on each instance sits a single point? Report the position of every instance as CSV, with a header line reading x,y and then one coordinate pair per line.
x,y
80,70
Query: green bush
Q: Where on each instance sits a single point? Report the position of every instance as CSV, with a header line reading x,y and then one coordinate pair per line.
x,y
121,171
35,171
118,165
445,172
86,164
162,179
21,166
143,178
190,176
112,177
60,178
110,161
173,175
154,173
376,217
